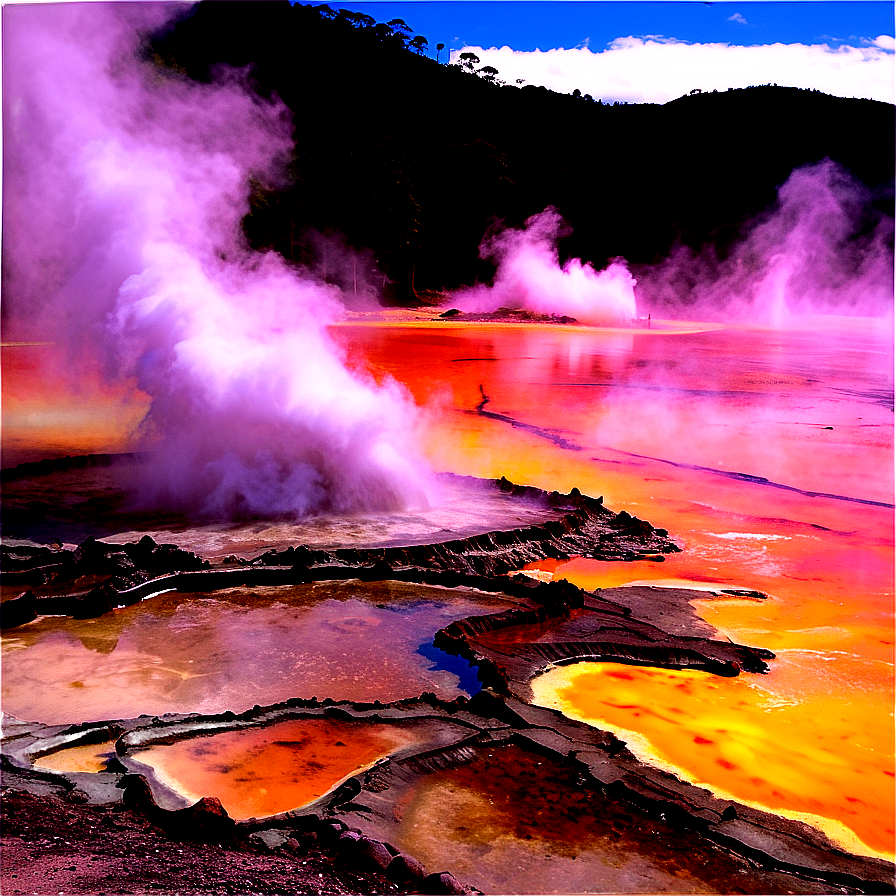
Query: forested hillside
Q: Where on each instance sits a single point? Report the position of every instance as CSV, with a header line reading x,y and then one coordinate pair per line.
x,y
409,161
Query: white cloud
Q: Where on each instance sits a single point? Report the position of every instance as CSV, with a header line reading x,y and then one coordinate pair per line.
x,y
737,17
656,70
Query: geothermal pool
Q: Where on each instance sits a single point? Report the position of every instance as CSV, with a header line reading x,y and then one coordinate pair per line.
x,y
239,647
68,505
680,425
767,454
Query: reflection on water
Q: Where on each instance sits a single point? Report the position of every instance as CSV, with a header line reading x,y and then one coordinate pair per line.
x,y
809,409
257,772
516,822
195,653
47,413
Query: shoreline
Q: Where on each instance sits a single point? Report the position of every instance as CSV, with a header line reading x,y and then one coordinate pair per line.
x,y
547,692
618,625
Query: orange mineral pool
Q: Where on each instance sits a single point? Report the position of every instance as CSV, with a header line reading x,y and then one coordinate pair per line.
x,y
257,772
768,456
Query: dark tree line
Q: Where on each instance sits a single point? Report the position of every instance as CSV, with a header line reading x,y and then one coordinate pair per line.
x,y
412,161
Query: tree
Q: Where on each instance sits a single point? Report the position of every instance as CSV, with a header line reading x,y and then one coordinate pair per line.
x,y
383,32
356,19
419,43
468,60
400,25
489,73
439,48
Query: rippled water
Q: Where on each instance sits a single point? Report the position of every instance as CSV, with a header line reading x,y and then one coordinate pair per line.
x,y
769,457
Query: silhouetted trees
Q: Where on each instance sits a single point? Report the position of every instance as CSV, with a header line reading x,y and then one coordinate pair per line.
x,y
632,180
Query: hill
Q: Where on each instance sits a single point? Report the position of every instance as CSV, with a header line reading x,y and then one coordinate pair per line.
x,y
409,161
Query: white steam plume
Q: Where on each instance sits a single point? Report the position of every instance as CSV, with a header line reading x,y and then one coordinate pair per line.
x,y
826,246
124,195
530,276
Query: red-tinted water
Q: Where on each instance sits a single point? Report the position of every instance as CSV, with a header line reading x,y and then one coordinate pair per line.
x,y
670,425
810,410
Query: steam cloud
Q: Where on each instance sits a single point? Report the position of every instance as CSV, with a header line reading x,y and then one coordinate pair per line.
x,y
124,194
824,247
530,276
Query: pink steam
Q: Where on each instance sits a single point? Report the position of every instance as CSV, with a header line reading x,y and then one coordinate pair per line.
x,y
530,276
124,193
823,248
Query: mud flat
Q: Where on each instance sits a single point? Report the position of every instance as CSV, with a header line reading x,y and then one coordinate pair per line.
x,y
434,792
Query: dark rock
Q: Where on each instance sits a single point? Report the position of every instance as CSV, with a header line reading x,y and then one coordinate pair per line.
x,y
380,570
331,831
88,553
444,883
145,547
375,853
347,844
19,610
137,794
95,602
118,562
405,869
206,821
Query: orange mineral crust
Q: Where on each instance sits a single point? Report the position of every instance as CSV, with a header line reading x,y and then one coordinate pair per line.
x,y
768,455
823,760
262,771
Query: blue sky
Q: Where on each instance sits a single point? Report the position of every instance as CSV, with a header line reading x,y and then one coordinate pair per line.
x,y
649,51
549,24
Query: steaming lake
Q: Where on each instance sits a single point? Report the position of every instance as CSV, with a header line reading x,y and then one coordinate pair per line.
x,y
767,454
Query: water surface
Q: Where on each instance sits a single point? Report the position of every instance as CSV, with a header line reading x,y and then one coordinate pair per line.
x,y
237,648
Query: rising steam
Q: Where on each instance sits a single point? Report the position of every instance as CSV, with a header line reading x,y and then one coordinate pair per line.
x,y
826,246
530,276
124,194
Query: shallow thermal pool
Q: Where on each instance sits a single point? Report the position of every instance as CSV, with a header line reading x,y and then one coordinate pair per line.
x,y
69,505
257,772
238,648
708,729
513,821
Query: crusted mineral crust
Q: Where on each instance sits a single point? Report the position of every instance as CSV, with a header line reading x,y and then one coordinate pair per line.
x,y
554,623
360,811
96,577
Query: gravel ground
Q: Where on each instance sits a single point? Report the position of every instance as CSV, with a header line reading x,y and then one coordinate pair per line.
x,y
61,845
